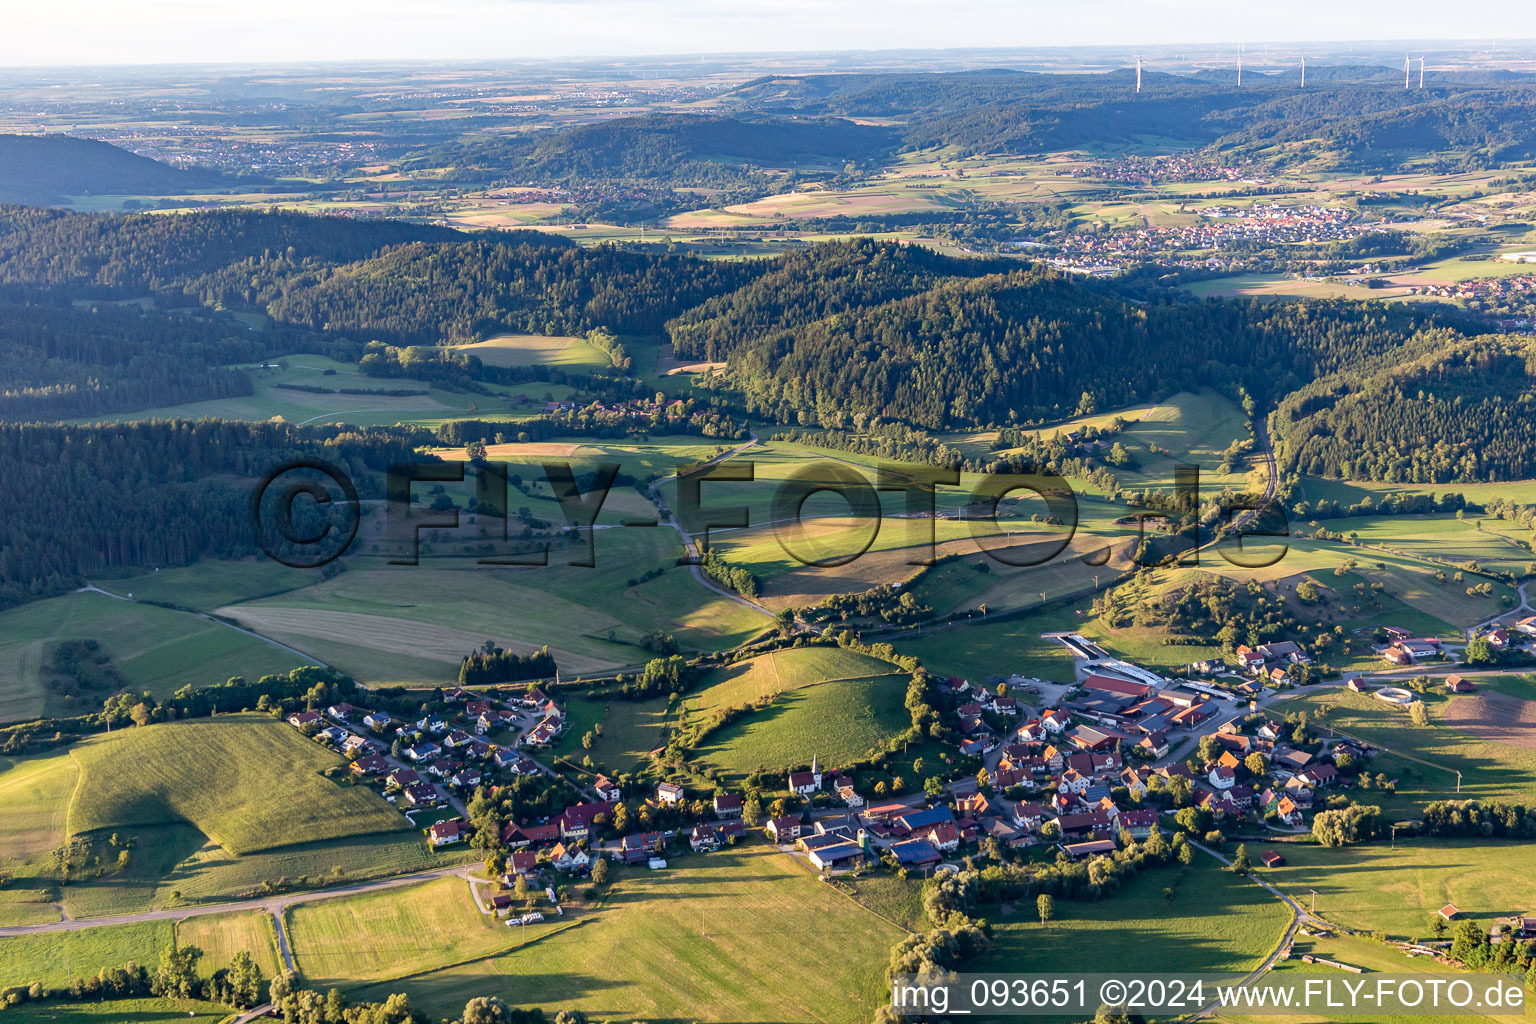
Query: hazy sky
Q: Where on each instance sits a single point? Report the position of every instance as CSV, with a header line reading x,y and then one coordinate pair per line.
x,y
154,31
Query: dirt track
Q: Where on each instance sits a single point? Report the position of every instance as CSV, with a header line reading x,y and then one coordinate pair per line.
x,y
1496,718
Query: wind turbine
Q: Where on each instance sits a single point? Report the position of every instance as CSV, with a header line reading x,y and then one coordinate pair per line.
x,y
1303,71
1405,70
1239,64
1421,72
1138,74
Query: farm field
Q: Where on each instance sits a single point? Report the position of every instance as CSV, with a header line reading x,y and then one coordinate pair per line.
x,y
221,936
156,649
744,935
1397,889
205,586
838,722
1490,771
58,958
392,933
415,623
172,859
222,776
534,349
1215,922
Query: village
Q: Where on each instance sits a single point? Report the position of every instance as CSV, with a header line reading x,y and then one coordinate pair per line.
x,y
1043,771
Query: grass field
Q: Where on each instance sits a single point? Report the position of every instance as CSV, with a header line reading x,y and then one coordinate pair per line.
x,y
1490,771
983,648
221,936
271,399
248,782
631,730
1396,889
838,722
415,623
156,649
1374,957
392,934
744,935
1215,922
171,859
532,349
769,675
117,1011
58,958
205,586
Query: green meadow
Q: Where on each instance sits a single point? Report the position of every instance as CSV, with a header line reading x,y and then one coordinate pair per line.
x,y
249,782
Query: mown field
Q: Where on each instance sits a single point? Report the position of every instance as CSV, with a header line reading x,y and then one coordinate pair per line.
x,y
744,935
1374,957
534,349
1004,646
1214,922
392,933
384,624
248,782
1396,889
221,936
155,649
838,722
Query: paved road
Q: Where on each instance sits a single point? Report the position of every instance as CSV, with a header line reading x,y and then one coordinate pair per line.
x,y
1298,917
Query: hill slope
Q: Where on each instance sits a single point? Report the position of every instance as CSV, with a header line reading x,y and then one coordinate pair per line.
x,y
248,782
44,169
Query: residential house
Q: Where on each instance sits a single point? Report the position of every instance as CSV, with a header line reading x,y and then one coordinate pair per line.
x,y
1222,777
422,795
402,777
378,721
669,794
445,832
576,821
784,830
569,857
606,788
370,765
299,719
944,836
1139,823
1456,684
728,805
422,752
842,785
704,837
639,847
1319,775
343,712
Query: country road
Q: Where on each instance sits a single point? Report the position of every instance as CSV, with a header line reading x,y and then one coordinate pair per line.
x,y
273,905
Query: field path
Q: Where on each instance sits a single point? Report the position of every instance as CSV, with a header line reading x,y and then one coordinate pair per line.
x,y
91,588
274,905
688,541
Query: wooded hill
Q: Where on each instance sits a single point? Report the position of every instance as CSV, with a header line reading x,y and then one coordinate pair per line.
x,y
667,149
1363,118
45,169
